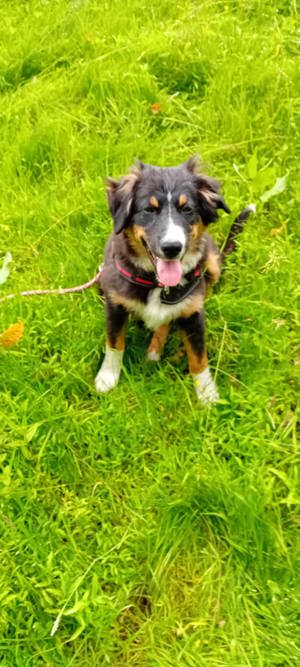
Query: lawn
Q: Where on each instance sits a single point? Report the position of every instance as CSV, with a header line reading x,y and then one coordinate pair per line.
x,y
137,528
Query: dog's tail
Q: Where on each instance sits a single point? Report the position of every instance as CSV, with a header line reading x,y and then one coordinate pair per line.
x,y
235,229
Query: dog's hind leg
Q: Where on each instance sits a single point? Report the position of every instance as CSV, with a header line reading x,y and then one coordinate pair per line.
x,y
108,376
193,337
157,343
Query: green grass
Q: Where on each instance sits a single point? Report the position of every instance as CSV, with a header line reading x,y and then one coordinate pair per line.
x,y
154,533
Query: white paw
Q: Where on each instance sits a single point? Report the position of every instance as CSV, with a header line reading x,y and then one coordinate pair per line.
x,y
153,355
105,381
205,386
109,374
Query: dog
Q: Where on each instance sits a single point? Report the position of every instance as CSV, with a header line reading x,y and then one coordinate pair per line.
x,y
159,263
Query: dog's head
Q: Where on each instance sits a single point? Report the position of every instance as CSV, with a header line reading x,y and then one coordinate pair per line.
x,y
163,212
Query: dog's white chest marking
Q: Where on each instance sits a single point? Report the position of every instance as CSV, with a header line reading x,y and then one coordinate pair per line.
x,y
154,313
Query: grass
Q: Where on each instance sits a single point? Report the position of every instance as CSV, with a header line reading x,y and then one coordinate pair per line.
x,y
137,527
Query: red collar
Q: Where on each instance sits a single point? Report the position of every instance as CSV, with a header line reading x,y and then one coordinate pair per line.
x,y
169,295
147,282
135,279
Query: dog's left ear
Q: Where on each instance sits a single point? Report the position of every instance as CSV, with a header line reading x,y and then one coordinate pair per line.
x,y
121,197
210,198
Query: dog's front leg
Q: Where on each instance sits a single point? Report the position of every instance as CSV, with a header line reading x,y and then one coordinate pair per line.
x,y
157,343
193,336
108,376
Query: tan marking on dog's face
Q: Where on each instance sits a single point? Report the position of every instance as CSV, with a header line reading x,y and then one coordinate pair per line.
x,y
198,229
194,305
154,202
139,232
135,235
158,339
182,200
213,266
196,364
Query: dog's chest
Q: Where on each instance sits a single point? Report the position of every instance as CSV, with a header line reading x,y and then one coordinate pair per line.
x,y
154,313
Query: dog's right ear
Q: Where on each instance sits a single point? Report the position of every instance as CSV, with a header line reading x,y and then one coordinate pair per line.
x,y
121,197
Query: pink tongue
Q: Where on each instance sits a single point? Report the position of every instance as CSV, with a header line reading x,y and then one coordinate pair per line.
x,y
169,272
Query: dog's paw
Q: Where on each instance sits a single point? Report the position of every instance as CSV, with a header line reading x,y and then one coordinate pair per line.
x,y
205,386
105,381
153,355
109,374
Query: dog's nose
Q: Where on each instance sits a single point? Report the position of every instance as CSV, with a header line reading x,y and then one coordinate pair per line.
x,y
171,249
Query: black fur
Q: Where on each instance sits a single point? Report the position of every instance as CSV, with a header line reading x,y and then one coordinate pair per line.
x,y
116,318
193,327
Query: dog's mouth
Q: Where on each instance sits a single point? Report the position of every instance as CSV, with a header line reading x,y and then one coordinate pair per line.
x,y
168,271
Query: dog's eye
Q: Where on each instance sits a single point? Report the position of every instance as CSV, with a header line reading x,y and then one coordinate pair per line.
x,y
188,210
150,209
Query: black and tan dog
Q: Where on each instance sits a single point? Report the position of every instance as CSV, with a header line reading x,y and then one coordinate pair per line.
x,y
159,263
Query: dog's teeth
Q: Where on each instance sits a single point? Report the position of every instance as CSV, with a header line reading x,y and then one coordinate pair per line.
x,y
205,386
153,355
109,374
